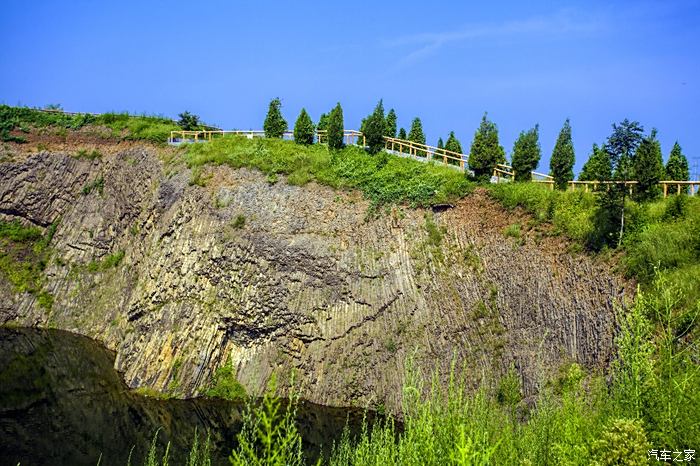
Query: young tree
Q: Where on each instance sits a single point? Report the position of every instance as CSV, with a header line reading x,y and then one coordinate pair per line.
x,y
390,124
188,121
677,167
526,154
440,144
485,151
304,129
335,128
374,129
275,125
622,145
322,122
561,165
453,145
598,167
416,135
402,134
648,167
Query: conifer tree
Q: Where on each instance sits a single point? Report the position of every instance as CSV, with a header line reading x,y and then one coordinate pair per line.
x,y
335,128
322,122
440,144
561,165
677,168
453,145
648,167
526,154
275,125
390,124
416,135
597,167
485,150
304,129
374,129
402,134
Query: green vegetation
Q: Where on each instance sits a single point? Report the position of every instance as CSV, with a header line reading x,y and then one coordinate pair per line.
x,y
416,135
275,125
98,184
188,121
225,385
526,153
453,145
383,179
109,262
390,124
88,154
124,126
239,222
598,167
402,134
648,168
677,167
561,165
374,129
336,128
485,151
24,254
304,129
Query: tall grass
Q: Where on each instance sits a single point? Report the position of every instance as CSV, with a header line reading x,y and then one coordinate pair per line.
x,y
382,178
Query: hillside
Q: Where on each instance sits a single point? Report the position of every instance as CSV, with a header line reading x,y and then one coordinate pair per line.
x,y
183,270
215,268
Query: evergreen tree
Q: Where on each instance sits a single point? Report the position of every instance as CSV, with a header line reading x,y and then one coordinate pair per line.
x,y
597,167
621,147
374,129
322,122
304,129
402,134
648,167
275,125
335,128
526,154
440,144
485,151
188,121
390,125
416,135
677,168
561,165
453,145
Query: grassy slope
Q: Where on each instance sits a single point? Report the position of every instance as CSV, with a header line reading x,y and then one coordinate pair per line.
x,y
383,179
124,126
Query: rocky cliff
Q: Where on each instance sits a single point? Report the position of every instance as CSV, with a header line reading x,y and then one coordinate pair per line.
x,y
180,279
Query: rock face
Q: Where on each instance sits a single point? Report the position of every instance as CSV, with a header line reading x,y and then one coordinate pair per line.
x,y
274,278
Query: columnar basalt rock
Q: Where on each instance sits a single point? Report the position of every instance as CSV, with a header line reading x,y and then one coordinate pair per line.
x,y
305,283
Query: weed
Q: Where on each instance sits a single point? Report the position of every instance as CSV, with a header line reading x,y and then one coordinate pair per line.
x,y
239,222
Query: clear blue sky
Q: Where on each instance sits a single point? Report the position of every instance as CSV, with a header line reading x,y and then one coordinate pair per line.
x,y
596,62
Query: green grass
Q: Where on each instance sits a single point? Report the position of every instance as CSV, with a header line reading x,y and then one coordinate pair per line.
x,y
153,129
382,178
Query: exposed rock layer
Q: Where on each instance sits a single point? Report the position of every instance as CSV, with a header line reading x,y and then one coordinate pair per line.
x,y
306,283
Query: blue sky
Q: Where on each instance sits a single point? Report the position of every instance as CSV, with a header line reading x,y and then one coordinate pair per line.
x,y
445,62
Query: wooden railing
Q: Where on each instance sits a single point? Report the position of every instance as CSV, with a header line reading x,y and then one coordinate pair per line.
x,y
437,154
692,185
350,136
